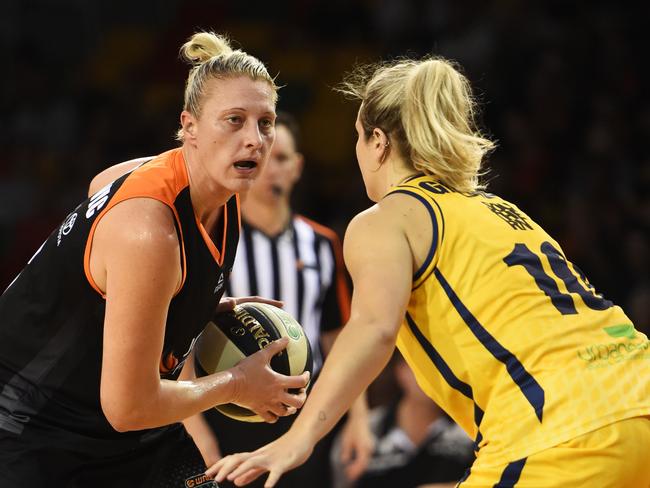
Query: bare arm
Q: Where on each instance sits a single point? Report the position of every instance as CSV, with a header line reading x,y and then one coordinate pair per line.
x,y
357,439
135,260
380,262
196,425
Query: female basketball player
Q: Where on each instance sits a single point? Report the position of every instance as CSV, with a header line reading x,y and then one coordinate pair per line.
x,y
105,315
501,330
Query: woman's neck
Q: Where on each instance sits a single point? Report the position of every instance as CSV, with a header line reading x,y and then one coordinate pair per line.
x,y
207,196
397,172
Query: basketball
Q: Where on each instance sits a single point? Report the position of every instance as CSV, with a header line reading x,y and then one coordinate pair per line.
x,y
231,336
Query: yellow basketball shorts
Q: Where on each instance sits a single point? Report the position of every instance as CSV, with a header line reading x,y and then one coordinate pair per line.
x,y
614,456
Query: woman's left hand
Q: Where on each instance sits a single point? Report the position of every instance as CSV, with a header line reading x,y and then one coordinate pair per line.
x,y
276,458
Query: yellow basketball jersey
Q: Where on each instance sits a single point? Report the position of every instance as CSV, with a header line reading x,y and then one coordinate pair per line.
x,y
509,337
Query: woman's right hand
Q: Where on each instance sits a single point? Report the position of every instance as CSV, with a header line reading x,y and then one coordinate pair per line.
x,y
264,391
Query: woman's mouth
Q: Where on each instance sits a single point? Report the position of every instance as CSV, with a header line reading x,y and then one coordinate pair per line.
x,y
245,165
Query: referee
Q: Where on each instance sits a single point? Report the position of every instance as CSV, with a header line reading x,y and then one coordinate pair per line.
x,y
285,256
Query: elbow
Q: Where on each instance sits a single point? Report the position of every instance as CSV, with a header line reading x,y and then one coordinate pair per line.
x,y
386,337
383,332
121,417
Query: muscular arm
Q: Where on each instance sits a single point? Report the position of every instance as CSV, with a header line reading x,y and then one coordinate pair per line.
x,y
378,257
135,260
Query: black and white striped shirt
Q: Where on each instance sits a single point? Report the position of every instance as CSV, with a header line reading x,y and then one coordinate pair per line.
x,y
303,267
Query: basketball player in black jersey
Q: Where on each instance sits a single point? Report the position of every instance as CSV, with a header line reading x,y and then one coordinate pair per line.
x,y
104,317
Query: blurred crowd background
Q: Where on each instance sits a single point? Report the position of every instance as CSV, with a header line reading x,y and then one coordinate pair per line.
x,y
563,87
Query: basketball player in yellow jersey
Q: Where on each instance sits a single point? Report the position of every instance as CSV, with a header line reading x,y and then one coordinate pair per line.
x,y
500,329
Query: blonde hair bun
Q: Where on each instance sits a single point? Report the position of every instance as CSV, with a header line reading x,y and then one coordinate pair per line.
x,y
203,46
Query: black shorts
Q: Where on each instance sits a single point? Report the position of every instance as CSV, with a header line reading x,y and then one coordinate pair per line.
x,y
167,460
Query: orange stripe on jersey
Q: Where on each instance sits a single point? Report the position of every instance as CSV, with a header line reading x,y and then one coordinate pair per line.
x,y
162,179
218,256
342,290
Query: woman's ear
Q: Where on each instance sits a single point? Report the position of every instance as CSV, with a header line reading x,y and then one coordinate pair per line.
x,y
188,123
381,143
380,138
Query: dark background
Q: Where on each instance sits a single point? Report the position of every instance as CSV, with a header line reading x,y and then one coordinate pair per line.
x,y
563,85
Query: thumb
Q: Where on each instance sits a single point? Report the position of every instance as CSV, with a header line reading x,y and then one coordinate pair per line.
x,y
226,304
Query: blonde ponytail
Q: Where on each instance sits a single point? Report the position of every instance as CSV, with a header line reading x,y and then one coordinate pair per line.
x,y
426,108
438,118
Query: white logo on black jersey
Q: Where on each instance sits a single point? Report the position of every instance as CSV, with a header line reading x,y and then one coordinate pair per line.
x,y
219,284
98,200
66,227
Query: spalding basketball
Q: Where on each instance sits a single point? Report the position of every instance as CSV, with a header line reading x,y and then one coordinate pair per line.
x,y
231,336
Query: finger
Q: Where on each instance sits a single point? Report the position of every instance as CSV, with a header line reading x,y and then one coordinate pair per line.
x,y
273,478
268,417
258,299
354,469
286,410
249,476
275,347
299,381
295,401
251,464
225,466
226,304
279,409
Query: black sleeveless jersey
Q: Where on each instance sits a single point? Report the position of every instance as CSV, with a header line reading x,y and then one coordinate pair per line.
x,y
52,315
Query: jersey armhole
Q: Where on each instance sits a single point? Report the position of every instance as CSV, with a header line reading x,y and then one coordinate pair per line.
x,y
427,267
91,235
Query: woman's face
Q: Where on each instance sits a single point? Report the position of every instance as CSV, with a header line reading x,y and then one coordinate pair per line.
x,y
232,139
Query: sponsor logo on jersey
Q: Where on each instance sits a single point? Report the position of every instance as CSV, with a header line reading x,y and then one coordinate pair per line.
x,y
66,227
220,283
606,354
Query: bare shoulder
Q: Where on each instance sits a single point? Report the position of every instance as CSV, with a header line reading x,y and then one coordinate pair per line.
x,y
389,225
392,213
140,220
137,237
374,232
112,173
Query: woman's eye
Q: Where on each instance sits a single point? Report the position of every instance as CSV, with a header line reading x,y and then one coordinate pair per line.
x,y
235,119
266,123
